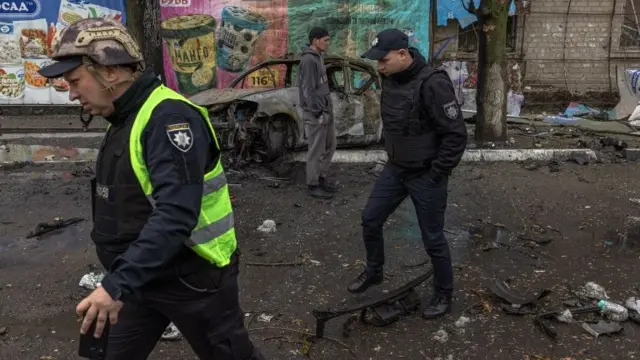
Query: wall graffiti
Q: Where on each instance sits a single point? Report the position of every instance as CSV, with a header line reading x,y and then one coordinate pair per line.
x,y
207,44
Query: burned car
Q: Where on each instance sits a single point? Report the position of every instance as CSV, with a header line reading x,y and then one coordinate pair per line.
x,y
258,116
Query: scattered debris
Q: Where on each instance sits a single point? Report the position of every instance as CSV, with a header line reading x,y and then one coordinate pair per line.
x,y
572,303
297,263
602,327
405,295
347,327
565,317
591,291
171,333
91,280
633,303
579,158
265,318
268,226
462,322
560,316
515,300
613,311
58,223
554,166
441,336
531,164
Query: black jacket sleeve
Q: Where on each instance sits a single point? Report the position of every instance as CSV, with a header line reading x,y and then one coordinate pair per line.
x,y
440,98
178,150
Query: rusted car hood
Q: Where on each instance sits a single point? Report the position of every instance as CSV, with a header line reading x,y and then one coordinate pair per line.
x,y
222,96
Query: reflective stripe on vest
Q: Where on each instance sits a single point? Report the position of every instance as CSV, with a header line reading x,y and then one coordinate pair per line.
x,y
214,236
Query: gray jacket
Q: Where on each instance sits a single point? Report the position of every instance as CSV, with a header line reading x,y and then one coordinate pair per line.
x,y
312,84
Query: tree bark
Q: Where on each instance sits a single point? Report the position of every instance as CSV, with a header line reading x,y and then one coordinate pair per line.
x,y
143,21
493,84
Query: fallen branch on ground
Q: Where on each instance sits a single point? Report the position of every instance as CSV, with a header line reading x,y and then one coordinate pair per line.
x,y
297,263
308,335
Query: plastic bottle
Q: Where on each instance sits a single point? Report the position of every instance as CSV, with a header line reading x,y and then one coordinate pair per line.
x,y
613,311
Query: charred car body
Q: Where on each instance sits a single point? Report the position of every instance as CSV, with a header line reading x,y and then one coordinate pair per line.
x,y
258,115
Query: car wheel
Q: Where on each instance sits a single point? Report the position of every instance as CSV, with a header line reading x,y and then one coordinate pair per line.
x,y
280,136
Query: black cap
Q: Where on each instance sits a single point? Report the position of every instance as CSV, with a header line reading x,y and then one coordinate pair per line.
x,y
317,33
386,40
60,67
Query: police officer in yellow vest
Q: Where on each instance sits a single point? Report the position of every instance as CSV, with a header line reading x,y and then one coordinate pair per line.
x,y
163,222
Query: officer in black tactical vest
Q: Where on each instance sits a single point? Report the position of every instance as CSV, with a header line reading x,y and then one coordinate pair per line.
x,y
425,137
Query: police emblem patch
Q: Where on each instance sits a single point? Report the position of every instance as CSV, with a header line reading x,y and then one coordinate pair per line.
x,y
180,136
451,110
374,42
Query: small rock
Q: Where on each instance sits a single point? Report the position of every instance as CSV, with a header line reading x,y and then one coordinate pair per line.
x,y
635,201
171,333
462,321
268,226
91,280
3,330
441,336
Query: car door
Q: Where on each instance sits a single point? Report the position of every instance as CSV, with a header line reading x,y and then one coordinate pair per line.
x,y
339,97
365,121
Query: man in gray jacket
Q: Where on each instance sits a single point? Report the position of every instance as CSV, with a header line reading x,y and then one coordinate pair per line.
x,y
315,102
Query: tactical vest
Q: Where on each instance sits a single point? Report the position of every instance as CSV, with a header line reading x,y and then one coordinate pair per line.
x,y
123,199
409,138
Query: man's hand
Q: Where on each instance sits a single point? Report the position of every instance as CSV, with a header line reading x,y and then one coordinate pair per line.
x,y
98,305
323,118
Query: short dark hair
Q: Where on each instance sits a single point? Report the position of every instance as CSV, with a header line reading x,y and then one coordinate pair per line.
x,y
317,33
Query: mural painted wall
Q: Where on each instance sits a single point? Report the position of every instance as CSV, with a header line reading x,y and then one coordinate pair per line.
x,y
26,30
208,43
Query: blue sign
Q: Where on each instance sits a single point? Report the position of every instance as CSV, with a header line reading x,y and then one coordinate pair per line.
x,y
53,10
19,8
455,9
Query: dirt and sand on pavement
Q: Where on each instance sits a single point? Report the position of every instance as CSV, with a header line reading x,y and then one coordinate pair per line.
x,y
554,227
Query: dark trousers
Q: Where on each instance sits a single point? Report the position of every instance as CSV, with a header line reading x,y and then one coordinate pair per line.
x,y
429,198
205,308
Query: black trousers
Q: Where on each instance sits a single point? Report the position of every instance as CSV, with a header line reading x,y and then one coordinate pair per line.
x,y
205,308
429,198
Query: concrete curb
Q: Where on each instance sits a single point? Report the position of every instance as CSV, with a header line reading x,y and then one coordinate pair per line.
x,y
40,154
53,135
480,155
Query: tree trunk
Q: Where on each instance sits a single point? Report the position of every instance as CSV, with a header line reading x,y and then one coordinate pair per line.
x,y
143,21
493,85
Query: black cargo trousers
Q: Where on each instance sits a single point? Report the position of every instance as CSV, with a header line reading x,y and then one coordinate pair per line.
x,y
429,197
205,308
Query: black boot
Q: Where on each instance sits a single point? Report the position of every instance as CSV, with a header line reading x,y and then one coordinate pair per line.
x,y
436,307
327,185
365,281
319,193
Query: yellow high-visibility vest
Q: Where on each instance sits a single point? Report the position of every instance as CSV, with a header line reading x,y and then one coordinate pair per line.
x,y
214,237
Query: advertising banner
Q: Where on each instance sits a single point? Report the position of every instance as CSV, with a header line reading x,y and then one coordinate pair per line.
x,y
26,30
208,43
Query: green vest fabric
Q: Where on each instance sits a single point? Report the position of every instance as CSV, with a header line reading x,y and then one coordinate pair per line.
x,y
214,237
